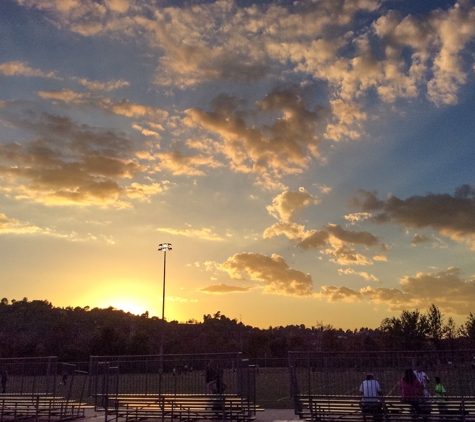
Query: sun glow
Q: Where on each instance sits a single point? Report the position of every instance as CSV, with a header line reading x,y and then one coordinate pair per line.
x,y
134,296
127,305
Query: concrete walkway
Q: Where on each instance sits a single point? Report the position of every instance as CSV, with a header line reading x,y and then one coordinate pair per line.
x,y
268,415
273,415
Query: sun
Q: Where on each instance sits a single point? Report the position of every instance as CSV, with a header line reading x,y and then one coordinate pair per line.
x,y
128,295
127,305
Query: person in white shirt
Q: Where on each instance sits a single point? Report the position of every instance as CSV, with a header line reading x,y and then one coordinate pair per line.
x,y
371,398
423,379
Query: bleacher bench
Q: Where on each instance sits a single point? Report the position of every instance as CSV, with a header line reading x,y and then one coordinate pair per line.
x,y
181,407
348,409
39,407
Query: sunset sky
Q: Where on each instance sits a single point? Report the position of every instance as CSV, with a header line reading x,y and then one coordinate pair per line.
x,y
310,161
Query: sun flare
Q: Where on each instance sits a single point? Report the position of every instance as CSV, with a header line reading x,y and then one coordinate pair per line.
x,y
134,296
126,305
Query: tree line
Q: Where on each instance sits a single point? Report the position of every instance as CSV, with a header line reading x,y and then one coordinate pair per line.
x,y
37,328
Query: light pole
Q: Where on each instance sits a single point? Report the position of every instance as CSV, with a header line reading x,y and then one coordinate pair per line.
x,y
164,247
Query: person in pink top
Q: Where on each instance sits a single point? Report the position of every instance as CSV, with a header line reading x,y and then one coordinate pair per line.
x,y
412,391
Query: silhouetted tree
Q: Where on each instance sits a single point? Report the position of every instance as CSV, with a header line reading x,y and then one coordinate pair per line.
x,y
409,332
435,325
468,329
73,334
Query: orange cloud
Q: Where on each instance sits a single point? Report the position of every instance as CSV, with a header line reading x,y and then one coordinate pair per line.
x,y
17,68
285,205
101,86
273,271
204,233
122,107
285,147
223,289
446,289
179,164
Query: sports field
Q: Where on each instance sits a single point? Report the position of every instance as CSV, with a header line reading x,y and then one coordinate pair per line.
x,y
269,387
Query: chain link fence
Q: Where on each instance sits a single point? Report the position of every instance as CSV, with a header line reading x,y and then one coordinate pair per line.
x,y
320,373
42,376
170,374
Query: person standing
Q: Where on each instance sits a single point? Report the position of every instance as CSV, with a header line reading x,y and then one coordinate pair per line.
x,y
4,377
210,378
423,379
371,398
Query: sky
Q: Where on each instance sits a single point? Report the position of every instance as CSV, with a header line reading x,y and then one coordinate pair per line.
x,y
311,162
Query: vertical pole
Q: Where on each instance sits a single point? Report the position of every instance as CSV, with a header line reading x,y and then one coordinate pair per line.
x,y
164,247
164,275
162,334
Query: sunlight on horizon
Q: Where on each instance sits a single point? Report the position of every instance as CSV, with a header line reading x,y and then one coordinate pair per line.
x,y
134,296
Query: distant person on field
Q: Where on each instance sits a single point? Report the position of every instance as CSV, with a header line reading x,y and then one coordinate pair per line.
x,y
4,376
64,378
371,398
210,377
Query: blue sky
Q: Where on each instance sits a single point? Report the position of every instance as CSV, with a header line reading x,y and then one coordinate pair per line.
x,y
309,161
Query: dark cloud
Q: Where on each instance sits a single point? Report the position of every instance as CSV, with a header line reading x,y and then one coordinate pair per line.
x,y
316,240
367,201
452,216
419,238
66,162
348,236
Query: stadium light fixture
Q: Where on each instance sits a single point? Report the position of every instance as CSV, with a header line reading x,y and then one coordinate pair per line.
x,y
164,247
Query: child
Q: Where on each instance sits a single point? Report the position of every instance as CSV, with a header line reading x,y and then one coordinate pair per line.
x,y
440,396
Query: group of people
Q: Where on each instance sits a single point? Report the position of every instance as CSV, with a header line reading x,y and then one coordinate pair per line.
x,y
413,389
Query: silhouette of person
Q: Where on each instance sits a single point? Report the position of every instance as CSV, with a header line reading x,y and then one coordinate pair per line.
x,y
4,377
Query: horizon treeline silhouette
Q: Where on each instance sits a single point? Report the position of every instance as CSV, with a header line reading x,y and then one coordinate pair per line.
x,y
73,334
